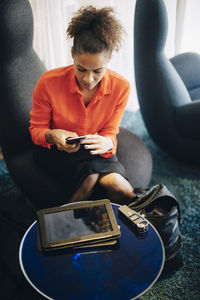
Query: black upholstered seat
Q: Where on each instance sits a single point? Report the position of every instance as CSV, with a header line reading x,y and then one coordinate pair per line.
x,y
168,90
20,70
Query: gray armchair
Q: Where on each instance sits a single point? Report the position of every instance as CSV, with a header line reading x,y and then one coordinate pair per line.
x,y
168,90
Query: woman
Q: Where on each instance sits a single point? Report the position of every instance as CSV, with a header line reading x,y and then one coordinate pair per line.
x,y
84,99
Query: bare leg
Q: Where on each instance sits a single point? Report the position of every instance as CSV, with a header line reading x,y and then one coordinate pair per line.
x,y
85,190
117,188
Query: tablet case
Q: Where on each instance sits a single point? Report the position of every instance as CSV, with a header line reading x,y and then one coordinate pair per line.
x,y
94,240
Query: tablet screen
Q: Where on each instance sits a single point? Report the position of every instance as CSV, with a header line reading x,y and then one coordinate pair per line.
x,y
76,223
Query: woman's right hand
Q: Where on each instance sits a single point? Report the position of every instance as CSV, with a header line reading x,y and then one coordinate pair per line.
x,y
58,137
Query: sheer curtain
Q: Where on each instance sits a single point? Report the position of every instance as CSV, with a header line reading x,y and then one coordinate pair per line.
x,y
52,17
189,37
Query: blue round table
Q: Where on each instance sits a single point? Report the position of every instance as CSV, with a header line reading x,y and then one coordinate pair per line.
x,y
124,271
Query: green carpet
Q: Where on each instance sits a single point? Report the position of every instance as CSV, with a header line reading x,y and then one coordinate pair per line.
x,y
184,182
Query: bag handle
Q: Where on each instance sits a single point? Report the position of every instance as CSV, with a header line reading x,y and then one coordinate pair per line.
x,y
150,195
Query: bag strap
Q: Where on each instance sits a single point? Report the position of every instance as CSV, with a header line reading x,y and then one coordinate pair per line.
x,y
148,196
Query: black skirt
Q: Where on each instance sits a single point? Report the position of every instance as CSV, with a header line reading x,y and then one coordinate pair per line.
x,y
71,169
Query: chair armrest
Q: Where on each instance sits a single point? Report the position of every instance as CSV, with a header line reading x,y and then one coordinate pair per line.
x,y
188,67
187,120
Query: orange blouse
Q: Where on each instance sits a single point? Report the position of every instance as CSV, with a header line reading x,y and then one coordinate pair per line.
x,y
58,104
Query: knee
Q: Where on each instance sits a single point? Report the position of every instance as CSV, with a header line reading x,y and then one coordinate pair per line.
x,y
92,178
112,180
116,183
89,182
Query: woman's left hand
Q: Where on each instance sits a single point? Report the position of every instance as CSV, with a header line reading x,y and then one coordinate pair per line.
x,y
97,144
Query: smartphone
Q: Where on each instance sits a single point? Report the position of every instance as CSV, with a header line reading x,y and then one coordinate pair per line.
x,y
75,140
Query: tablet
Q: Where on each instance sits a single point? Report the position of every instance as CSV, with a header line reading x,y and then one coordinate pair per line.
x,y
77,225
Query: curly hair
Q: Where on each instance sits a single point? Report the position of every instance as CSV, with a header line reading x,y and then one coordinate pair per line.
x,y
95,30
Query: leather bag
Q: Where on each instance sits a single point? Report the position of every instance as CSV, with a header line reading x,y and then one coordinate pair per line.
x,y
161,208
